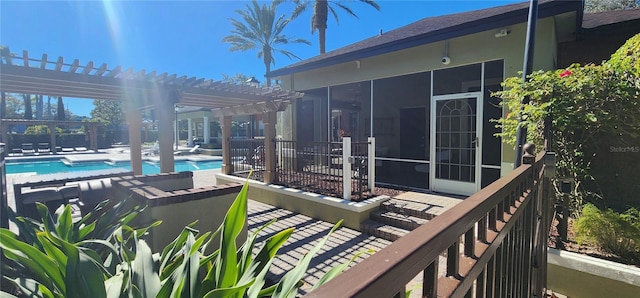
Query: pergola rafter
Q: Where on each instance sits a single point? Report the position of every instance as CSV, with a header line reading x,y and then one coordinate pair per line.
x,y
137,90
57,78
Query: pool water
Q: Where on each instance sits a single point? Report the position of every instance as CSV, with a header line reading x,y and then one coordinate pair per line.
x,y
57,166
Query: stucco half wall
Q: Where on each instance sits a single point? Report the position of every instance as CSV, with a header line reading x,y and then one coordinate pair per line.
x,y
317,206
180,206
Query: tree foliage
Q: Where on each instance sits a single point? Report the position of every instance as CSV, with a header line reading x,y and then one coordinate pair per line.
x,y
258,28
584,102
320,15
37,130
14,107
108,112
238,78
608,5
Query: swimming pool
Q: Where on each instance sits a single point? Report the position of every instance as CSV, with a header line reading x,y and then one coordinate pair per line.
x,y
57,166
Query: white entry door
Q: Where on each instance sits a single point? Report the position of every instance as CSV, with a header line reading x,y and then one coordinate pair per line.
x,y
456,127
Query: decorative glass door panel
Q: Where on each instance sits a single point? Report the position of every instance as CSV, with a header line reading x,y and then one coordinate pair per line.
x,y
455,150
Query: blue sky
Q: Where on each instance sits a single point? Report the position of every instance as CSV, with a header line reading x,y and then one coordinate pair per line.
x,y
184,37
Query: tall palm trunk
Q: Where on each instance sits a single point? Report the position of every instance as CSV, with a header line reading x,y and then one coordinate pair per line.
x,y
321,12
28,112
321,39
61,115
267,59
48,107
39,106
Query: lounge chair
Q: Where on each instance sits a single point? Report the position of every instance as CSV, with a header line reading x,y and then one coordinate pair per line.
x,y
81,149
155,150
194,150
67,149
44,148
16,151
27,148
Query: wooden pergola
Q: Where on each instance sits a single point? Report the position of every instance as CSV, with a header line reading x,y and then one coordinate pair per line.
x,y
140,90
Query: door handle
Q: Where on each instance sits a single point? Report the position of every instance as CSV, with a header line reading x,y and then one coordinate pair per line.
x,y
475,141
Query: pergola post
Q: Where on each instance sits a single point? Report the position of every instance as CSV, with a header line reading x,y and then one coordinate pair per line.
x,y
134,120
5,135
93,138
269,120
165,109
227,167
206,127
52,138
189,133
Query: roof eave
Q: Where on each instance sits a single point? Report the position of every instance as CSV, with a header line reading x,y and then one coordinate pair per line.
x,y
507,19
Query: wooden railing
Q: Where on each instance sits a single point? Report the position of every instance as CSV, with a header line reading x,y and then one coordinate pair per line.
x,y
493,244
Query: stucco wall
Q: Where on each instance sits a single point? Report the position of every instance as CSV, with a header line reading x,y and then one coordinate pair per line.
x,y
328,209
578,275
474,48
177,205
209,213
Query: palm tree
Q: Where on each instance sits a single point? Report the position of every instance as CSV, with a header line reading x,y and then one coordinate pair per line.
x,y
260,29
321,9
28,112
60,111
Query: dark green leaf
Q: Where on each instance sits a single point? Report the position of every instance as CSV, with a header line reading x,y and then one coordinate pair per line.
x,y
144,275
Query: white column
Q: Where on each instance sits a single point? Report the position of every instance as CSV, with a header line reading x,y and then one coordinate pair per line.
x,y
175,134
371,165
134,120
165,115
346,168
207,130
189,133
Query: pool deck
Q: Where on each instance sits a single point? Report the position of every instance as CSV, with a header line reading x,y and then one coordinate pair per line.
x,y
111,155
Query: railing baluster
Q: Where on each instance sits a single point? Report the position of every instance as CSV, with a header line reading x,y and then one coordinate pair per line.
x,y
401,294
493,218
453,259
481,286
469,243
430,280
491,277
469,294
482,229
499,271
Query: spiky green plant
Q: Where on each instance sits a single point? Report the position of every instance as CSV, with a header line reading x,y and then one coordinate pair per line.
x,y
58,259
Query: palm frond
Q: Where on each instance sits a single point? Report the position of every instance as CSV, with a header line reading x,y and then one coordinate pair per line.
x,y
345,8
258,27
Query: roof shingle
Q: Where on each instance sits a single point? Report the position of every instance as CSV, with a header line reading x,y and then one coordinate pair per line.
x,y
430,30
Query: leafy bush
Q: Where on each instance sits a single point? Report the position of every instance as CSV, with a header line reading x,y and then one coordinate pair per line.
x,y
617,233
37,130
56,258
583,102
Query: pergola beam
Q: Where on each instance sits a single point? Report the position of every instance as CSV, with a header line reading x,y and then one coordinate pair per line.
x,y
139,89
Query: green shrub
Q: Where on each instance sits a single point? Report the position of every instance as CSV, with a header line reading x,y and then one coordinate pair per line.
x,y
584,103
617,233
